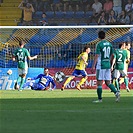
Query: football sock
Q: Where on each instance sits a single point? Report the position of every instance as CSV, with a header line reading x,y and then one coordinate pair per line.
x,y
112,88
18,79
121,80
22,83
82,81
126,81
68,80
114,82
117,84
99,92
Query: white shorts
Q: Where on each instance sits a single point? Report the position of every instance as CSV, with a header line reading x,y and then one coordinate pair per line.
x,y
22,71
117,73
103,74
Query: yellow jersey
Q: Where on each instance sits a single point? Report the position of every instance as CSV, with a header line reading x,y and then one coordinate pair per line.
x,y
81,64
128,56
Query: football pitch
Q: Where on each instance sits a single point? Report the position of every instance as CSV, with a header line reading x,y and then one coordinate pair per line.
x,y
68,111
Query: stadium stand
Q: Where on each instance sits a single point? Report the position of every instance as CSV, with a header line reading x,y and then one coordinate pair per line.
x,y
10,15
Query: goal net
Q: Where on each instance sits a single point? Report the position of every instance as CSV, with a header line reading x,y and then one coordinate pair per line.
x,y
57,47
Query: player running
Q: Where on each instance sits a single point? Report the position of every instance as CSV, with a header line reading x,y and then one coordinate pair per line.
x,y
79,69
43,83
20,55
103,56
120,57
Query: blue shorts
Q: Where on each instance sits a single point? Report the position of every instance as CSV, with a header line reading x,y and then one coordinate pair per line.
x,y
77,72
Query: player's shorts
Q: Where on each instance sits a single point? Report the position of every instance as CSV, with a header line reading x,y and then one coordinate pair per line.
x,y
117,73
103,74
77,72
22,71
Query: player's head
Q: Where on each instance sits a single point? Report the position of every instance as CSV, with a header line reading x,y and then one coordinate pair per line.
x,y
46,71
101,34
86,49
128,45
21,43
121,46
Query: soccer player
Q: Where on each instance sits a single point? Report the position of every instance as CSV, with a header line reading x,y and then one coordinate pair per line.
x,y
120,59
126,63
103,57
20,55
126,47
43,83
79,69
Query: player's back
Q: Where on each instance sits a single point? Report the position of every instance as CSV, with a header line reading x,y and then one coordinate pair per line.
x,y
21,55
81,64
121,56
104,49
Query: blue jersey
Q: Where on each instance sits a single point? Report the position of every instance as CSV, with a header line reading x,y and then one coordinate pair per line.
x,y
44,81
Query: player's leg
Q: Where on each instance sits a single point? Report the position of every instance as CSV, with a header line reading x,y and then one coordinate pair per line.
x,y
99,74
116,77
122,79
124,74
16,86
84,74
37,86
66,82
23,76
107,78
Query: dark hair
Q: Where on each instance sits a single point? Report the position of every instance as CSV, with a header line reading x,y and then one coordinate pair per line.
x,y
101,34
44,13
126,43
120,45
21,42
86,47
45,68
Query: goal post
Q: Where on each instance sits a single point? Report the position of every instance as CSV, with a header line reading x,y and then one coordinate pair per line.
x,y
57,47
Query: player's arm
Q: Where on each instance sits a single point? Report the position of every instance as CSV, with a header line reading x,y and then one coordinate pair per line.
x,y
37,77
84,59
95,61
113,61
30,57
53,84
96,56
128,57
13,58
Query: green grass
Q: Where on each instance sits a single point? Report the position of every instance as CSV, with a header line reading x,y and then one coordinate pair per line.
x,y
68,111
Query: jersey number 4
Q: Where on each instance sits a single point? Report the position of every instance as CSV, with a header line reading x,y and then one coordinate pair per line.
x,y
20,56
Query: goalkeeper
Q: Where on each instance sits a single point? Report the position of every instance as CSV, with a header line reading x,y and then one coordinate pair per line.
x,y
43,83
79,69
